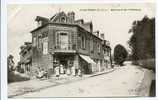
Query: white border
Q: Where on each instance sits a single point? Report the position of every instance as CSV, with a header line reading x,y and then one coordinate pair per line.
x,y
3,50
4,41
75,1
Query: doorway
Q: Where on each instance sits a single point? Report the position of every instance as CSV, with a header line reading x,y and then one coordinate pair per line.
x,y
64,62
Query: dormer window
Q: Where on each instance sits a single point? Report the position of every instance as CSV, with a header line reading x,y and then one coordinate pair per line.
x,y
41,20
39,23
63,19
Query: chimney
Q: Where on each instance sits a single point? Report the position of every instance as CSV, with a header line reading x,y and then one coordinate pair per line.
x,y
71,16
102,36
97,33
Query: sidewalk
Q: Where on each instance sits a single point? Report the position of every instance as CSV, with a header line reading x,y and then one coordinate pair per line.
x,y
20,88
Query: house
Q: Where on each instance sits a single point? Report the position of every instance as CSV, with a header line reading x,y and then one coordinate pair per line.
x,y
107,54
70,42
25,62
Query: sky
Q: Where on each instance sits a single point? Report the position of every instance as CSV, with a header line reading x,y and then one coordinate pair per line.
x,y
114,20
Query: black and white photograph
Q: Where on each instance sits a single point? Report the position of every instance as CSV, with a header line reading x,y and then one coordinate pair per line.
x,y
104,50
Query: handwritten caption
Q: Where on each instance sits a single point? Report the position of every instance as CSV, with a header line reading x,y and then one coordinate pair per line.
x,y
112,9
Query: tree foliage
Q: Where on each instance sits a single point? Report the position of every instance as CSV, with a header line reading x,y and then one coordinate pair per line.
x,y
120,54
10,65
142,41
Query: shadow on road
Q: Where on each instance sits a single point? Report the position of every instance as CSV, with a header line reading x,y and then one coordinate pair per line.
x,y
152,89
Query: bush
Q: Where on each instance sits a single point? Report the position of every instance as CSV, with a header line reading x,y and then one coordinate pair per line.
x,y
12,77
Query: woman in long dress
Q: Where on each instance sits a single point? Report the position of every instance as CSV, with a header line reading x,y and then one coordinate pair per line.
x,y
68,71
57,72
73,70
61,69
79,72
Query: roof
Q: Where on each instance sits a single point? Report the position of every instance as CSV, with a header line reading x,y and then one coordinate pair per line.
x,y
53,18
56,16
38,18
79,20
64,24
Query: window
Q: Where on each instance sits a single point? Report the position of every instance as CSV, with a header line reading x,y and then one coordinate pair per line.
x,y
107,52
79,42
64,43
62,40
94,46
98,48
39,23
91,45
40,41
63,19
45,45
34,41
83,42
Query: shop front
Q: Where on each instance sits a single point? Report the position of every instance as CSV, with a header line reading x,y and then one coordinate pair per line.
x,y
87,64
65,62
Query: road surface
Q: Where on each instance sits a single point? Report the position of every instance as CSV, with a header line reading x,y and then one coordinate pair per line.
x,y
125,81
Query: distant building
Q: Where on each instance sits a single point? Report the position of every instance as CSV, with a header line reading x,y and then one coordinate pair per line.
x,y
107,54
70,42
25,62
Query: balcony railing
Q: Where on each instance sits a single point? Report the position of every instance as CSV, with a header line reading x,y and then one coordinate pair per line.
x,y
65,46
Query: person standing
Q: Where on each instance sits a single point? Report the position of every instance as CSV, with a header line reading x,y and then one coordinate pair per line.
x,y
57,71
68,72
61,69
73,70
79,72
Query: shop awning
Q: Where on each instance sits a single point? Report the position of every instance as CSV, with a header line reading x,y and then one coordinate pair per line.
x,y
87,59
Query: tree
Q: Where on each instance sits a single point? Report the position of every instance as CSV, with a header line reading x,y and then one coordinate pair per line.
x,y
25,57
10,65
142,41
120,54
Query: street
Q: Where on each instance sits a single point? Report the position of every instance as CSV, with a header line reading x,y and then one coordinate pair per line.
x,y
125,81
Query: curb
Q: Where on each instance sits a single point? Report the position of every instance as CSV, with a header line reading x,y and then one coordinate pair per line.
x,y
57,84
102,73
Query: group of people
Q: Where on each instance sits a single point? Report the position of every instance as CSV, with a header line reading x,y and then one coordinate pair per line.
x,y
60,70
41,73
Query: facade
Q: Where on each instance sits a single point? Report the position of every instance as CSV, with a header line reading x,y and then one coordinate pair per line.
x,y
107,54
72,43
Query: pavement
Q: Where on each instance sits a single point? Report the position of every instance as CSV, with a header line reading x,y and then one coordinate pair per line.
x,y
24,87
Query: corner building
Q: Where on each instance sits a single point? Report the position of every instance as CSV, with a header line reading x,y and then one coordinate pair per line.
x,y
67,41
